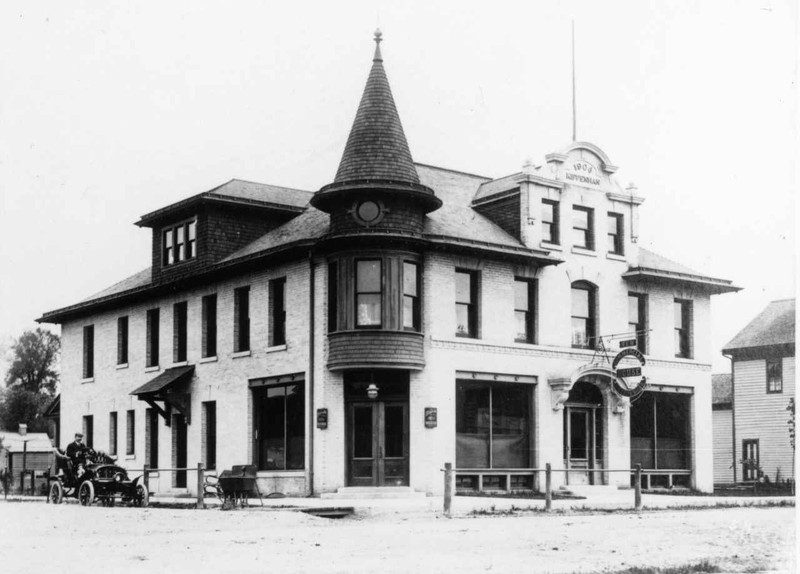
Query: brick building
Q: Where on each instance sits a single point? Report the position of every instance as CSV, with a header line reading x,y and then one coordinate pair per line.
x,y
402,316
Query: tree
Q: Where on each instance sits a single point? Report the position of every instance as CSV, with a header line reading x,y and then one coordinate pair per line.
x,y
19,405
35,358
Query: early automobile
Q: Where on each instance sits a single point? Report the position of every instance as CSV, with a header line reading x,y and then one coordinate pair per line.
x,y
99,479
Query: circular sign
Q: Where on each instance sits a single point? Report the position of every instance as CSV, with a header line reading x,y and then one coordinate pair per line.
x,y
629,381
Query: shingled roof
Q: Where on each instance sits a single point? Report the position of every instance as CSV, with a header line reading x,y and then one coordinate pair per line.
x,y
377,146
773,326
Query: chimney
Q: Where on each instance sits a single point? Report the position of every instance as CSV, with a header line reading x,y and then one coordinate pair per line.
x,y
23,429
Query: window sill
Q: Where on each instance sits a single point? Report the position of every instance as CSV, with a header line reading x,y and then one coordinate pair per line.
x,y
240,354
281,473
276,348
584,251
152,369
130,457
122,366
87,380
180,364
551,246
208,359
615,257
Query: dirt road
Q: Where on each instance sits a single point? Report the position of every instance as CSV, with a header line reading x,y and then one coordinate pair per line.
x,y
36,537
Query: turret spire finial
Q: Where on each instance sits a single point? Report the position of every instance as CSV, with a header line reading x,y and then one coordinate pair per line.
x,y
378,39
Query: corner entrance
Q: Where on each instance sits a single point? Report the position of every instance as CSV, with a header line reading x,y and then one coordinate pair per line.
x,y
377,428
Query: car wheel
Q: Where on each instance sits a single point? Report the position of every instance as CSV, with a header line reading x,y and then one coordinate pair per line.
x,y
142,496
56,493
86,493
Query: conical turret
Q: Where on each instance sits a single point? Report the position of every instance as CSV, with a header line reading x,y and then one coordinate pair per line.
x,y
376,156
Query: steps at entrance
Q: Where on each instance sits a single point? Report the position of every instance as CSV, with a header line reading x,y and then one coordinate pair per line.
x,y
373,492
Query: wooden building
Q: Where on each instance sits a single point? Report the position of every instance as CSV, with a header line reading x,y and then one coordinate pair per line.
x,y
763,383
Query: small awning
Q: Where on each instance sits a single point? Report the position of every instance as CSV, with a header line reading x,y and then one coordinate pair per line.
x,y
163,388
165,380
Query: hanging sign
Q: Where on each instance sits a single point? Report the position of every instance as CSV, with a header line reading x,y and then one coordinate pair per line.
x,y
629,382
582,172
627,343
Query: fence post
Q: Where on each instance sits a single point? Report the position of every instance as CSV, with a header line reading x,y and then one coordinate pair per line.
x,y
200,481
448,487
548,487
638,487
146,478
33,483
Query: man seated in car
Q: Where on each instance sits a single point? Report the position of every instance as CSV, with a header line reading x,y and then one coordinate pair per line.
x,y
76,453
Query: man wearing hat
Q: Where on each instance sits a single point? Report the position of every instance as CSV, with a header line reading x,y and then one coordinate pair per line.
x,y
76,452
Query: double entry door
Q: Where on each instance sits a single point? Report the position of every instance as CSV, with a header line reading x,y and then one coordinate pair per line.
x,y
377,443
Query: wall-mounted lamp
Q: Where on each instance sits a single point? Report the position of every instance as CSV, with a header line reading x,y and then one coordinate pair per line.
x,y
372,391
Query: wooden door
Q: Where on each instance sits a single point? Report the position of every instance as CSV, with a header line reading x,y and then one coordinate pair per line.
x,y
377,443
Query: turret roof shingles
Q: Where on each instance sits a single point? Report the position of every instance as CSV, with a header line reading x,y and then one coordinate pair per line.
x,y
377,148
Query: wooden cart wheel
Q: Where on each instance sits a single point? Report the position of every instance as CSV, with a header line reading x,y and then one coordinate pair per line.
x,y
142,496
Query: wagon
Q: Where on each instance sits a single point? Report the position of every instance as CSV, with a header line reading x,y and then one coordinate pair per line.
x,y
103,481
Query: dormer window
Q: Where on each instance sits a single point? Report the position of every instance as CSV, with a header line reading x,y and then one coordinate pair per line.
x,y
180,242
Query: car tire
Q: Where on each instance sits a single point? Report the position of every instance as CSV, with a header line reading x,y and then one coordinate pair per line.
x,y
56,495
141,497
86,493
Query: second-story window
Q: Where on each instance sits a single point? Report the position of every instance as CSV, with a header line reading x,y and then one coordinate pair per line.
x,y
466,303
277,312
152,338
524,310
209,327
179,335
550,221
179,242
122,340
637,319
88,351
683,328
615,233
241,319
368,293
583,227
411,315
774,376
584,313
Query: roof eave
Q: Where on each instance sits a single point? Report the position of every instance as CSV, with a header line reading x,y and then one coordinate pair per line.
x,y
715,286
59,315
210,198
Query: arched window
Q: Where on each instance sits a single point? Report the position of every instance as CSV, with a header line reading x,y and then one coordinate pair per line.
x,y
584,315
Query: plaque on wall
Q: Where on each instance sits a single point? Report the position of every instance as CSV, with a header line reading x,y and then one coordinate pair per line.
x,y
431,417
322,419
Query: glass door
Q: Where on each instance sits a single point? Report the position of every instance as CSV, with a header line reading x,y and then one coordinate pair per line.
x,y
378,443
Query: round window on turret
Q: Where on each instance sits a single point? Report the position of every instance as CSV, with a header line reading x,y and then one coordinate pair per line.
x,y
368,212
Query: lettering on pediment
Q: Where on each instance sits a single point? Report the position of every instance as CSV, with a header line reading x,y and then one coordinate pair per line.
x,y
582,172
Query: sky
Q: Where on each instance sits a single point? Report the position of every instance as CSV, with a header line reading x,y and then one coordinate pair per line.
x,y
112,110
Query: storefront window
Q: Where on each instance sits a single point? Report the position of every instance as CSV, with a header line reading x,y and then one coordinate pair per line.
x,y
660,431
493,422
280,427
